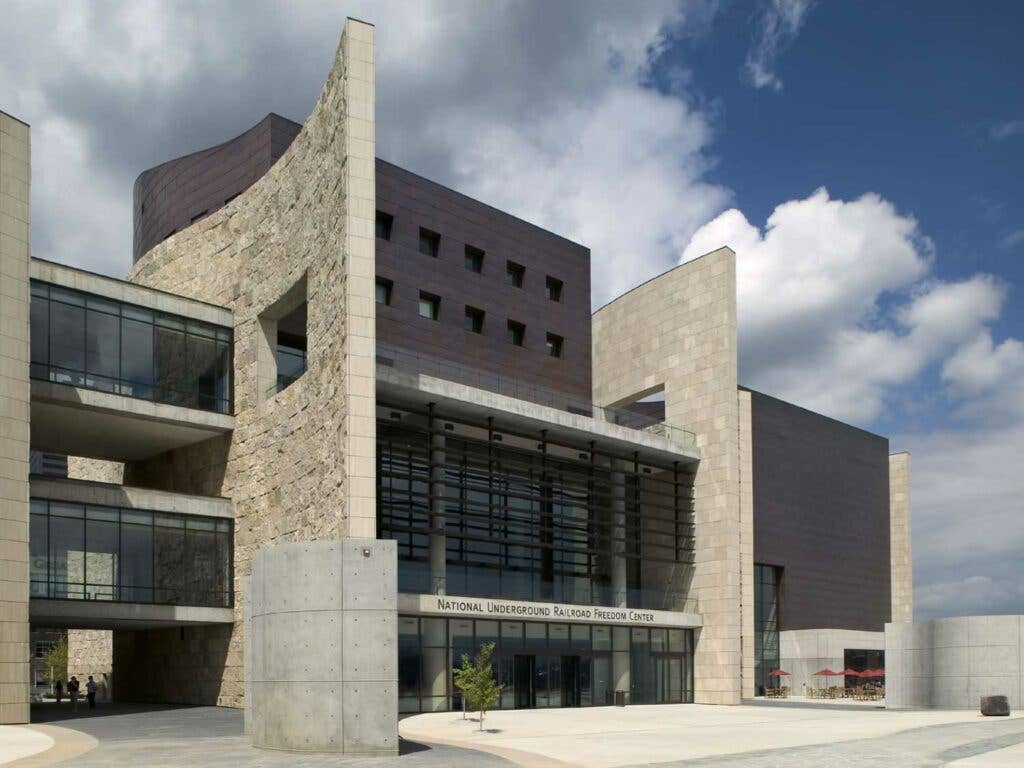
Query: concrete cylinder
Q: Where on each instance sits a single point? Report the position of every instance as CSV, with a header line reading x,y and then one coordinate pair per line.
x,y
324,664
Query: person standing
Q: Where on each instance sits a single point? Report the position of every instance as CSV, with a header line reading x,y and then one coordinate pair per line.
x,y
73,693
58,690
90,692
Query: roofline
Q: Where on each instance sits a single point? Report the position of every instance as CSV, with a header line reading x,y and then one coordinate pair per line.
x,y
638,286
15,119
815,413
481,202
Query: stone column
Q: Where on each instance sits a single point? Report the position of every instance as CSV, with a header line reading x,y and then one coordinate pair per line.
x,y
324,657
747,541
901,563
14,420
438,543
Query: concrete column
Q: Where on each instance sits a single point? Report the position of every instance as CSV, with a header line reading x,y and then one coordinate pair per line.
x,y
14,420
438,544
324,652
247,653
619,580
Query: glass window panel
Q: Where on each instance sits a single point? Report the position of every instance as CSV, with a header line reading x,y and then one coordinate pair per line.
x,y
558,636
602,638
101,560
536,636
39,330
39,548
659,640
202,369
486,632
67,343
67,554
169,576
136,358
171,370
511,635
580,636
201,566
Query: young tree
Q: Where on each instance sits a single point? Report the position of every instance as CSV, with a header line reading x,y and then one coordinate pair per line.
x,y
476,681
56,660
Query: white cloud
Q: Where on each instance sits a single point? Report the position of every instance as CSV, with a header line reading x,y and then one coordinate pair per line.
x,y
1012,240
1010,128
533,107
839,312
777,29
835,303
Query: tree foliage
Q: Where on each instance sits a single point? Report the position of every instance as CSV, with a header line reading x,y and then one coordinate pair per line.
x,y
476,681
56,660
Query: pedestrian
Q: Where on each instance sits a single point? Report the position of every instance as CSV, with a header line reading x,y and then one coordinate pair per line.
x,y
73,693
90,692
58,690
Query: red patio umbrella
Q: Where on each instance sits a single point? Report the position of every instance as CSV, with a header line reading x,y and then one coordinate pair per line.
x,y
852,673
777,673
827,672
873,673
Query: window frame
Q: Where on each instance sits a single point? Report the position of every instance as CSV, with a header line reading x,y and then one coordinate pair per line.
x,y
515,333
385,223
433,238
554,345
515,274
388,286
435,306
474,320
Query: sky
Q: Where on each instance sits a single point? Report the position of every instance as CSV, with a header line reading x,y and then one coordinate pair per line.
x,y
863,160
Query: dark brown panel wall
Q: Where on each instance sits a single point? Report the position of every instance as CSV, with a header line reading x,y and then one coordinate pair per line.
x,y
172,195
821,511
415,202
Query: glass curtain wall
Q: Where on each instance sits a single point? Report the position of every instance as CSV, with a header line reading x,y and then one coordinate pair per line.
x,y
528,519
766,625
543,664
88,341
87,552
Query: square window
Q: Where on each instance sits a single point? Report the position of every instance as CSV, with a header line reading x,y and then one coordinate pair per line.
x,y
514,274
384,222
430,306
516,333
430,242
554,345
554,288
474,320
474,259
383,291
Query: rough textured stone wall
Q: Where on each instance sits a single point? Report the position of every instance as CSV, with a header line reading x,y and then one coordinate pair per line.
x,y
902,577
300,464
96,470
679,330
91,652
14,419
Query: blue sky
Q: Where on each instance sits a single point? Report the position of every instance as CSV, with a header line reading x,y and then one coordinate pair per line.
x,y
652,132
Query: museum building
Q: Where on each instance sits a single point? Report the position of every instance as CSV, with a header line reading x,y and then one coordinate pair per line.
x,y
341,425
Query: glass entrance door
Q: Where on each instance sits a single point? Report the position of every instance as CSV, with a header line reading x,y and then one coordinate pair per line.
x,y
571,681
524,672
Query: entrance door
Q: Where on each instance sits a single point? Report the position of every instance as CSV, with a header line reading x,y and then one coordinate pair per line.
x,y
523,675
570,681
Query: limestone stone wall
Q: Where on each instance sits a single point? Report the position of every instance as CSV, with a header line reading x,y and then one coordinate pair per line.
x,y
300,463
97,470
902,574
679,330
14,419
91,652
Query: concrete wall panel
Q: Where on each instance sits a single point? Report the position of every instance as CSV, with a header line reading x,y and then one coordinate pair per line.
x,y
952,663
305,650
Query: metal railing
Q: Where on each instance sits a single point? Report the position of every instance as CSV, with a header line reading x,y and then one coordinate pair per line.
x,y
114,593
409,361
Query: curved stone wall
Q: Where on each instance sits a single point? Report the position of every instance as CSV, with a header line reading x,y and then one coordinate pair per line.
x,y
952,663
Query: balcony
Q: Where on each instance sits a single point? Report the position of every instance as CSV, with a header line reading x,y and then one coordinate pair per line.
x,y
106,555
412,378
124,380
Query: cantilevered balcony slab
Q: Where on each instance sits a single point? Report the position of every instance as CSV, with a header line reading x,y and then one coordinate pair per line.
x,y
400,387
97,614
101,425
128,497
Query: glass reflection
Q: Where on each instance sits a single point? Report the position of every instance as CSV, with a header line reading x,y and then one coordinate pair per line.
x,y
88,341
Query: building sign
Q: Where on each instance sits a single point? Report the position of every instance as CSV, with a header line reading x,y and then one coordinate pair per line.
x,y
483,607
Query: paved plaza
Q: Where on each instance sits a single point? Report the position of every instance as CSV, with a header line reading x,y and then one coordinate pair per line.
x,y
756,735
